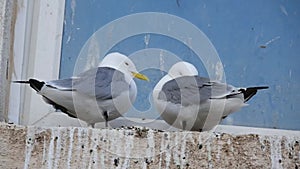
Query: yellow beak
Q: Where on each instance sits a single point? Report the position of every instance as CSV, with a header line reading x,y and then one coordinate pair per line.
x,y
140,76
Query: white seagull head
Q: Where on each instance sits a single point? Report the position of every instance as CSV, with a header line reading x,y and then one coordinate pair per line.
x,y
182,69
122,63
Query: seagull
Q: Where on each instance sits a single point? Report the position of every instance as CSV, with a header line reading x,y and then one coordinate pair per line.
x,y
96,95
190,102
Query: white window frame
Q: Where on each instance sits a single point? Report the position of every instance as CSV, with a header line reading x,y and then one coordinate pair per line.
x,y
37,53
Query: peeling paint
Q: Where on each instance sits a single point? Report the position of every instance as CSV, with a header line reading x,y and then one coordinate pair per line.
x,y
147,40
283,10
161,62
270,41
219,70
73,7
93,54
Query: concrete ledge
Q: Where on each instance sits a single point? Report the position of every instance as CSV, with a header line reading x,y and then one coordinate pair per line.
x,y
75,147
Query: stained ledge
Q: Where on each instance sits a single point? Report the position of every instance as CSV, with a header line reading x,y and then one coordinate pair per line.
x,y
137,147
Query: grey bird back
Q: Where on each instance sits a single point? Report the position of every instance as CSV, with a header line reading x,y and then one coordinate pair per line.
x,y
189,90
102,83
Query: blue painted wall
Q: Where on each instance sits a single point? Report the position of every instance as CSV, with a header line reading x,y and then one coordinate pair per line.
x,y
257,41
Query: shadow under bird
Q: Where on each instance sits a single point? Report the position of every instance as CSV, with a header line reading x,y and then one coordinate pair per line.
x,y
190,102
96,95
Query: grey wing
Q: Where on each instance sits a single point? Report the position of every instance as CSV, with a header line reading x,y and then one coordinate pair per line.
x,y
102,83
193,90
217,90
62,84
185,90
68,84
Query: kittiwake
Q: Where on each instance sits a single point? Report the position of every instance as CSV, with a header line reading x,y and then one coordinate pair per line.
x,y
96,95
190,102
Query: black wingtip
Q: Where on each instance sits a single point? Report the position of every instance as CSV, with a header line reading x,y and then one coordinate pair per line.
x,y
35,84
258,87
20,81
251,91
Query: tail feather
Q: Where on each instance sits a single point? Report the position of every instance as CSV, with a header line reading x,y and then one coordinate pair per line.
x,y
249,92
35,84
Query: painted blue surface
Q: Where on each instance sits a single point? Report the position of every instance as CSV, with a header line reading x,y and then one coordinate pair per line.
x,y
257,41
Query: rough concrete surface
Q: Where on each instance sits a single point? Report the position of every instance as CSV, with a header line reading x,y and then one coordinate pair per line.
x,y
133,147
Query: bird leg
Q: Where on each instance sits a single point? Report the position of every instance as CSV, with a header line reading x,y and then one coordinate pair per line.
x,y
184,125
105,115
91,125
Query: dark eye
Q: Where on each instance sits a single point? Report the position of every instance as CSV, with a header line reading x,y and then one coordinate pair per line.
x,y
126,63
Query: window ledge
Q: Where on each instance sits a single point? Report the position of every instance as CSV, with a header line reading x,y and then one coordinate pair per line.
x,y
76,147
